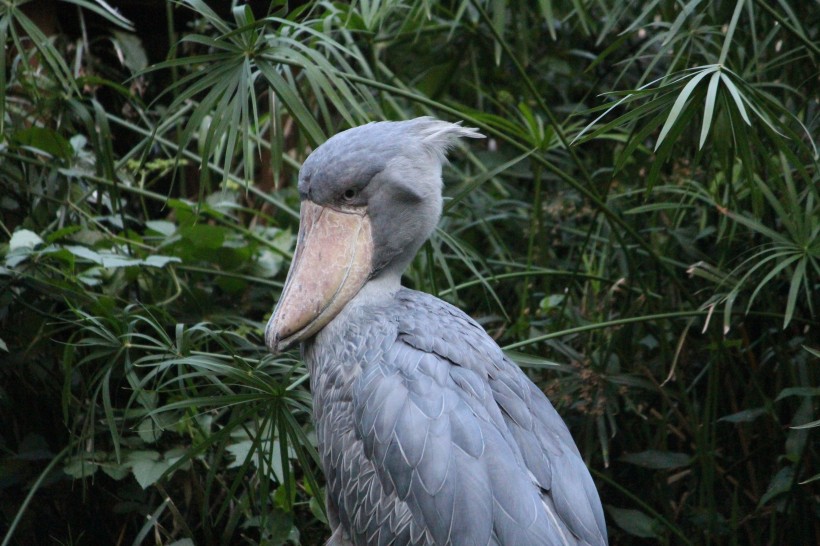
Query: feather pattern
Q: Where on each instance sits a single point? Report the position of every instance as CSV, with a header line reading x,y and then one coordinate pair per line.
x,y
429,435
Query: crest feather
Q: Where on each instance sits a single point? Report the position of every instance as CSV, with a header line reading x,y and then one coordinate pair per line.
x,y
439,136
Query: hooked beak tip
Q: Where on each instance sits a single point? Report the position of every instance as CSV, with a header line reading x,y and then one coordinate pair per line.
x,y
272,337
276,345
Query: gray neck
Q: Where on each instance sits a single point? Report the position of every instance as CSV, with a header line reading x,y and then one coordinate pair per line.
x,y
375,293
378,290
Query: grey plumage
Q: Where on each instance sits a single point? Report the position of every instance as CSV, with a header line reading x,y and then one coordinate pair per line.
x,y
449,442
428,434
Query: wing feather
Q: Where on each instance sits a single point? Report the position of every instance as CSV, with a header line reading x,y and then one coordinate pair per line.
x,y
450,443
502,399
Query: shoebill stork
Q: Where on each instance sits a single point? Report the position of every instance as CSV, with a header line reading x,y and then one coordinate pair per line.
x,y
428,433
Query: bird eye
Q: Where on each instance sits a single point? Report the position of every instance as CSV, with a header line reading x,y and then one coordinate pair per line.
x,y
349,194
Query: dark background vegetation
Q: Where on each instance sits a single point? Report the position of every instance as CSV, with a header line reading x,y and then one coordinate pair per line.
x,y
640,231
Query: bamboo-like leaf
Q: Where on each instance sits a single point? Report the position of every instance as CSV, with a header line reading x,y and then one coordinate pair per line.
x,y
637,139
52,58
581,13
201,8
788,259
680,102
709,106
546,12
479,180
104,10
648,8
758,226
730,31
797,280
736,97
666,149
293,103
684,14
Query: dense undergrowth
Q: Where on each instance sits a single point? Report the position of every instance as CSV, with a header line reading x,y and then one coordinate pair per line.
x,y
641,231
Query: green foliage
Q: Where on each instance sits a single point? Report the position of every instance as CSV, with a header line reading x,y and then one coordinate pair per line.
x,y
650,167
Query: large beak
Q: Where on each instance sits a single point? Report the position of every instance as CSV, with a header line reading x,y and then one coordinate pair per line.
x,y
332,262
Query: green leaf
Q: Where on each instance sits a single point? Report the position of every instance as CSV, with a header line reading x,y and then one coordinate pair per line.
x,y
780,484
316,509
812,424
709,106
114,470
147,467
45,140
162,226
674,30
657,459
101,8
736,97
24,238
149,431
80,467
240,452
745,416
132,53
798,391
680,102
810,480
204,235
815,352
634,522
156,260
113,261
293,103
794,287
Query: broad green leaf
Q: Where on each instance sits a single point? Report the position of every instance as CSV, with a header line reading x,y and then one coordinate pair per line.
x,y
162,226
149,431
203,235
132,52
24,238
634,522
147,467
156,260
779,484
80,467
44,139
114,470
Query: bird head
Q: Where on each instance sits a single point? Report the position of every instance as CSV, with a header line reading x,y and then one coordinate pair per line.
x,y
370,197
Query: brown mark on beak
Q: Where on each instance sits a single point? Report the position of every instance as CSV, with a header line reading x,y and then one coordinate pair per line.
x,y
332,262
